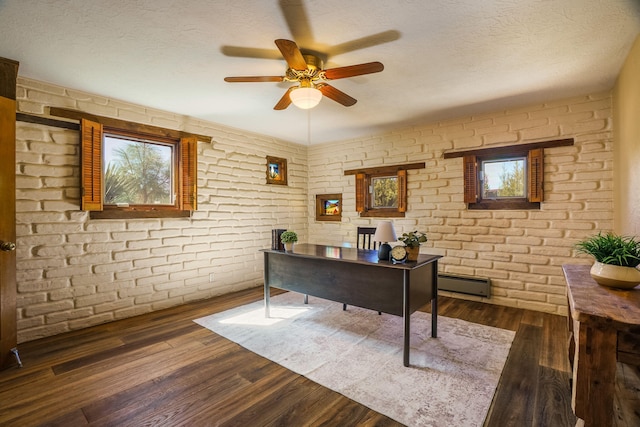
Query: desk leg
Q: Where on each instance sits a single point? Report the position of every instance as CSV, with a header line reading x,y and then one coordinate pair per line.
x,y
267,291
434,301
406,316
594,375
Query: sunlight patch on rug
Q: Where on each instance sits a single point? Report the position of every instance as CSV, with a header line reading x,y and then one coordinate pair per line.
x,y
257,318
451,380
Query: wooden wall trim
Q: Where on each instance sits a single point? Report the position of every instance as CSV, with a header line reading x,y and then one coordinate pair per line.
x,y
30,118
385,169
509,149
8,78
125,125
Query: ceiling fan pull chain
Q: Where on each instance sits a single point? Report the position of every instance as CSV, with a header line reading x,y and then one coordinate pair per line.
x,y
309,127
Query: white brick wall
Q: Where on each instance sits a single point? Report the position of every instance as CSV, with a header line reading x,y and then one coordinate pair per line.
x,y
521,251
73,272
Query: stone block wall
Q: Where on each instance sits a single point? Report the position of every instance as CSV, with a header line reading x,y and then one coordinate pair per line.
x,y
74,272
521,251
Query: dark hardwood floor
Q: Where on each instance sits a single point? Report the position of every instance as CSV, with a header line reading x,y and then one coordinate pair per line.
x,y
163,369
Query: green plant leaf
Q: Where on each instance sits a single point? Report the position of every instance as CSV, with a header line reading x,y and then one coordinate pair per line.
x,y
612,249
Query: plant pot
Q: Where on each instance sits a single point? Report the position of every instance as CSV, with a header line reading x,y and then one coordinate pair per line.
x,y
615,276
412,253
288,247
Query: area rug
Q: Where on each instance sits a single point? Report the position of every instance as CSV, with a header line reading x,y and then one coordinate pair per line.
x,y
358,353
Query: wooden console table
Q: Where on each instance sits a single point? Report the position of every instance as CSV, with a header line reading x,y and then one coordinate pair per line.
x,y
356,277
605,326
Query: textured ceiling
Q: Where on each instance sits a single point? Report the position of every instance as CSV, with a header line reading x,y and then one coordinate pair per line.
x,y
443,58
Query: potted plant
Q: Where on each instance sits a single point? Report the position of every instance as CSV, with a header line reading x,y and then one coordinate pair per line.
x,y
617,258
412,240
288,238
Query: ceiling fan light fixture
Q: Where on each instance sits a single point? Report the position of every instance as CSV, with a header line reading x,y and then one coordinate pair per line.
x,y
305,97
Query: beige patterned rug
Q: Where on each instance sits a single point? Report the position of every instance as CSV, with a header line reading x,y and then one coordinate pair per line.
x,y
451,380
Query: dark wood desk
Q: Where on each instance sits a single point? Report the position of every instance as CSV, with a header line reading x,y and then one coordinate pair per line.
x,y
605,324
356,277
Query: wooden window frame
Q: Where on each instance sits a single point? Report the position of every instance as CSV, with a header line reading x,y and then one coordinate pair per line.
x,y
534,181
363,183
92,198
534,152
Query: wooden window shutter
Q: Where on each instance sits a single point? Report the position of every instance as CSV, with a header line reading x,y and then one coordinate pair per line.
x,y
91,165
470,169
361,191
188,173
536,174
402,190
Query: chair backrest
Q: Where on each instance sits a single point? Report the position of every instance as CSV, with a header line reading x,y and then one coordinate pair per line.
x,y
365,238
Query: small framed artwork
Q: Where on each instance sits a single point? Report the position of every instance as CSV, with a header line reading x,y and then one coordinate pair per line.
x,y
276,170
329,207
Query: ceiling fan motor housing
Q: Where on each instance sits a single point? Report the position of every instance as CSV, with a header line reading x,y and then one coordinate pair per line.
x,y
311,73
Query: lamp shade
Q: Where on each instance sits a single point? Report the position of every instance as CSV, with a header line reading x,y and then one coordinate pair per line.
x,y
384,233
305,97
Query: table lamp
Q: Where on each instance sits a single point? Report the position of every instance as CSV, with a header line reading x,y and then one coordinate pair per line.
x,y
384,233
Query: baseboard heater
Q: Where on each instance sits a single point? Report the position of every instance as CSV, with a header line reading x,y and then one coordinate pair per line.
x,y
465,284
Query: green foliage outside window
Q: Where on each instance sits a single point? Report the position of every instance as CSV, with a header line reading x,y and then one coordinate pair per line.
x,y
512,181
385,192
510,178
138,173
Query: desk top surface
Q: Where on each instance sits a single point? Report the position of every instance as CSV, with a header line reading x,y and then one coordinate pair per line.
x,y
590,302
360,256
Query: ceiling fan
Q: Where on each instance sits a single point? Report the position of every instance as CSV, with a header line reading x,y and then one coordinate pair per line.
x,y
306,69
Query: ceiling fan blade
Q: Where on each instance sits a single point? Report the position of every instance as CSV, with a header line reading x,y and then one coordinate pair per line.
x,y
285,101
250,52
295,15
353,70
254,79
337,95
363,42
292,54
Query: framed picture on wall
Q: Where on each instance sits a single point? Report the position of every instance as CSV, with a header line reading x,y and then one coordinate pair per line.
x,y
329,207
276,170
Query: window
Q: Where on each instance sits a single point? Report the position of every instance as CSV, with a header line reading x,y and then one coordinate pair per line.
x,y
504,181
503,178
509,177
132,174
384,196
382,191
137,172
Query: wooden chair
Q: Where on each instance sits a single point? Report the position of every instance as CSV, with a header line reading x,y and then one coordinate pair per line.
x,y
365,241
365,238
